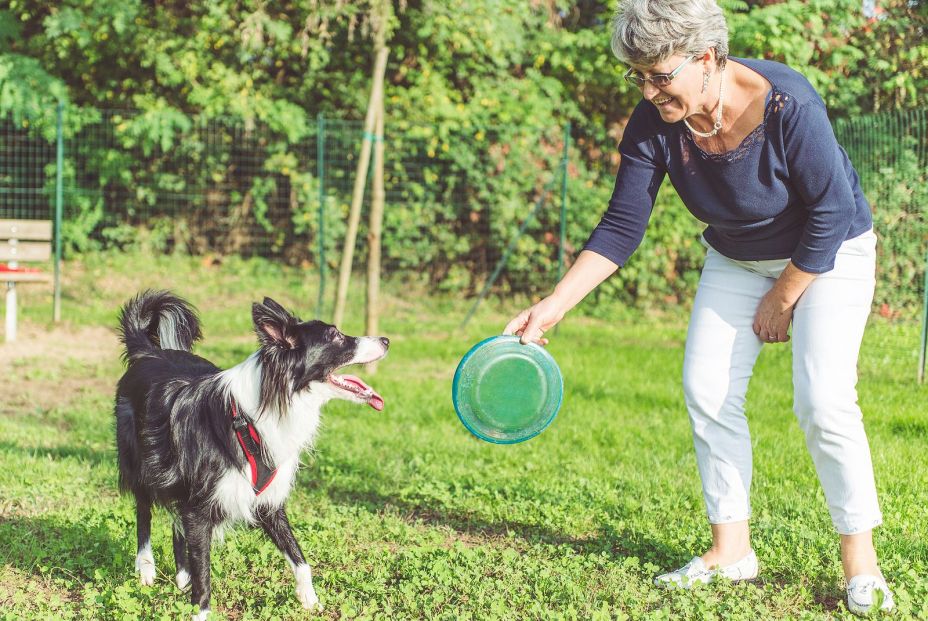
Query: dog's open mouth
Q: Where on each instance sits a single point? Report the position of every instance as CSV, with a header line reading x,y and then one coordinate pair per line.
x,y
355,386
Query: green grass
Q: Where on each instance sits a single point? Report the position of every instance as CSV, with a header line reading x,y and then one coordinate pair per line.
x,y
403,514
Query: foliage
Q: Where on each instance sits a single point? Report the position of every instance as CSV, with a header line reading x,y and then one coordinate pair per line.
x,y
221,140
402,514
889,153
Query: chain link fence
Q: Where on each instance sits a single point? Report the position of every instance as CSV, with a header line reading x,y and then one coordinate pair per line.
x,y
890,153
211,185
458,199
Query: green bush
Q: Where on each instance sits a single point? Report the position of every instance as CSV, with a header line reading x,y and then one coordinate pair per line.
x,y
477,94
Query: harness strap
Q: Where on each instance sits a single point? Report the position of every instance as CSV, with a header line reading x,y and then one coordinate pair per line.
x,y
261,473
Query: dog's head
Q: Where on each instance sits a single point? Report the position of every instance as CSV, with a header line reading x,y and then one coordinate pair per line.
x,y
298,356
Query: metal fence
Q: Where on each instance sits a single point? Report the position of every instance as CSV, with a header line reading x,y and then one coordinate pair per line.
x,y
458,199
890,153
211,185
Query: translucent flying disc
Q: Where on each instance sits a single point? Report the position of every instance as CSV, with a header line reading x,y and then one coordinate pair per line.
x,y
505,392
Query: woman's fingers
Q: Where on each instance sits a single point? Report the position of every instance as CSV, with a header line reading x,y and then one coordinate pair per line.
x,y
528,327
532,332
517,324
531,324
773,331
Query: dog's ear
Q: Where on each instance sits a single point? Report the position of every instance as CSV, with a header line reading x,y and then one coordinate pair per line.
x,y
273,324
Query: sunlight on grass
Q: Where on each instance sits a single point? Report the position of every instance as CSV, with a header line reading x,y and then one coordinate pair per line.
x,y
403,514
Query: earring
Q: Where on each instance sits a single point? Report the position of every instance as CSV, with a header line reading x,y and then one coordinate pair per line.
x,y
705,81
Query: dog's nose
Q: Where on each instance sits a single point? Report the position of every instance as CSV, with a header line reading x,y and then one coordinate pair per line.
x,y
385,341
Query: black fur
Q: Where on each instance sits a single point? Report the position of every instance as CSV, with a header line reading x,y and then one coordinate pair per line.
x,y
174,433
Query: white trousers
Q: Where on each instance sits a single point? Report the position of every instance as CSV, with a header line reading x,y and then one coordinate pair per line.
x,y
721,349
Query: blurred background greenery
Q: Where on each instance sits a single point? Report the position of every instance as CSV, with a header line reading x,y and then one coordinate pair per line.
x,y
233,127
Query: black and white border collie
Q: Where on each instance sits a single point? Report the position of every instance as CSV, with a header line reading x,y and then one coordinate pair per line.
x,y
216,447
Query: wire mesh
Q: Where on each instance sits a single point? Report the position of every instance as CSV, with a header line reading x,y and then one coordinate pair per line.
x,y
27,172
455,196
450,214
890,153
192,185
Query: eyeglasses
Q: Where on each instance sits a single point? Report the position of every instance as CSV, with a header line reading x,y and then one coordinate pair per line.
x,y
660,80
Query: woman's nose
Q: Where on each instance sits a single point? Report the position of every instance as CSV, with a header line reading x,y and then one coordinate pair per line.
x,y
649,91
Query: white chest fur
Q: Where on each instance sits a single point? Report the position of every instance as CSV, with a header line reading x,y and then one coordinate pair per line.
x,y
283,437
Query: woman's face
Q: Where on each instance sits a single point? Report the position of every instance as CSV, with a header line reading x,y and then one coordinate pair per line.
x,y
682,97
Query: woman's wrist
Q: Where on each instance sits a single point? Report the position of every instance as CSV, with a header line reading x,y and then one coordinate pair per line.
x,y
791,284
562,298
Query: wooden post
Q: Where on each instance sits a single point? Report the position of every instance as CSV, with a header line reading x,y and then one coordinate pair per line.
x,y
354,216
375,228
10,312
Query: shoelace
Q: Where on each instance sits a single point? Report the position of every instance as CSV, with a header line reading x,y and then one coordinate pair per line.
x,y
691,571
863,591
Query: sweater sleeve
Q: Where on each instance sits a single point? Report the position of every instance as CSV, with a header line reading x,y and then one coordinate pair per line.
x,y
622,227
817,174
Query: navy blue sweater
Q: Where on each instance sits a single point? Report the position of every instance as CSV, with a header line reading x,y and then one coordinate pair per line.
x,y
788,191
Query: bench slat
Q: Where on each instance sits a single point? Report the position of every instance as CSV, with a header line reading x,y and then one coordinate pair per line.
x,y
24,277
25,251
40,230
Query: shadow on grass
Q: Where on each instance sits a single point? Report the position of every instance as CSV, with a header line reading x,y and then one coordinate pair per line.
x,y
53,546
617,542
909,428
57,453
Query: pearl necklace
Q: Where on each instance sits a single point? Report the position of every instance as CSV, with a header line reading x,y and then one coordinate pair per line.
x,y
718,118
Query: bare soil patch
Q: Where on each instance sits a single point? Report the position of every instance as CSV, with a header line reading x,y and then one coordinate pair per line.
x,y
46,368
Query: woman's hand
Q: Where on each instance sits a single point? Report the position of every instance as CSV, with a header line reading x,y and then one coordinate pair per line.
x,y
775,311
533,322
584,275
772,319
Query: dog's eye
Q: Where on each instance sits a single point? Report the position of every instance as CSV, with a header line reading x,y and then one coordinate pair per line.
x,y
334,335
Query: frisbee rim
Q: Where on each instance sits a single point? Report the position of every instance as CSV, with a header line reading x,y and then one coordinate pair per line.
x,y
546,355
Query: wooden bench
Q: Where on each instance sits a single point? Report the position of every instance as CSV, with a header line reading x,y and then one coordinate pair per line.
x,y
22,241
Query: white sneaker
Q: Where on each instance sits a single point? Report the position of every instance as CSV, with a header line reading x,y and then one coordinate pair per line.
x,y
864,591
696,572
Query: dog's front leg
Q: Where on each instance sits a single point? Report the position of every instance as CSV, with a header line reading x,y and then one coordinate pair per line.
x,y
277,526
199,533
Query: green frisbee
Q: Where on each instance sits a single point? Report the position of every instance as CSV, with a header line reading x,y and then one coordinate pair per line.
x,y
505,392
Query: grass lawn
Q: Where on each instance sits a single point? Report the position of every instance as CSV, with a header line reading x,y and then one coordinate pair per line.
x,y
404,515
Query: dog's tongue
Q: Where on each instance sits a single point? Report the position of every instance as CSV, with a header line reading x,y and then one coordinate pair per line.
x,y
373,399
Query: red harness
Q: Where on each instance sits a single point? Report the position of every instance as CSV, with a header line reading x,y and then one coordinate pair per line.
x,y
261,473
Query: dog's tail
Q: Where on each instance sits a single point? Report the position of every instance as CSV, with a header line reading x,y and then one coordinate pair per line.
x,y
155,320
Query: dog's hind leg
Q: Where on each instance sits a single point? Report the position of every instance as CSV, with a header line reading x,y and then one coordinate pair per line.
x,y
144,558
277,526
180,554
198,530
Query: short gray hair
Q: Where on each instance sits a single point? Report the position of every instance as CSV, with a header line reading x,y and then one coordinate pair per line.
x,y
647,32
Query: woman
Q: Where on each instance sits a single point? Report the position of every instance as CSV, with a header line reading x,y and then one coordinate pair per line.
x,y
749,148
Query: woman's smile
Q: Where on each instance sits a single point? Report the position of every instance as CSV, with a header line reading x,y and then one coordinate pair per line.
x,y
663,101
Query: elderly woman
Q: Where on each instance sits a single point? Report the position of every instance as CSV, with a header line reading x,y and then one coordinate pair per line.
x,y
748,146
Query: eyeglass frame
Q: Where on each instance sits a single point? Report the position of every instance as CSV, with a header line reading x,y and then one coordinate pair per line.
x,y
639,81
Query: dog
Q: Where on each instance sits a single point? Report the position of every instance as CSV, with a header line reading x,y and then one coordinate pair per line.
x,y
217,447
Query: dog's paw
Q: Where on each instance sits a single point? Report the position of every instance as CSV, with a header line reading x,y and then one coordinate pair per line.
x,y
183,579
203,615
307,596
145,566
